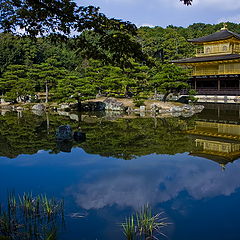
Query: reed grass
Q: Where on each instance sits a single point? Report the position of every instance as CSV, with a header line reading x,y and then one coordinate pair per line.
x,y
144,225
129,228
30,217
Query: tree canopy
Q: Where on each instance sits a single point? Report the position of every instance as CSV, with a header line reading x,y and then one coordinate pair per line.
x,y
39,17
60,19
187,2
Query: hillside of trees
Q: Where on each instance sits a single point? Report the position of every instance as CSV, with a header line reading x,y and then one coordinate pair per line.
x,y
114,64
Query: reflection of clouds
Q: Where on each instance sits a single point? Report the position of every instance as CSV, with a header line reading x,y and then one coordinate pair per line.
x,y
155,182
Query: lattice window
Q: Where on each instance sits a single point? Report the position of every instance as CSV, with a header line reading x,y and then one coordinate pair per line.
x,y
208,50
224,48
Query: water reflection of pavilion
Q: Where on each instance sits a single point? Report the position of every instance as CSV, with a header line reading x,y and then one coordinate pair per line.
x,y
216,141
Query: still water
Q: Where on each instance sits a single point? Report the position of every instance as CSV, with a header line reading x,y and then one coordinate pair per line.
x,y
187,168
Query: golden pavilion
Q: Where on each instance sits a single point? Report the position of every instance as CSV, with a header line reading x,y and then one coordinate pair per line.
x,y
216,65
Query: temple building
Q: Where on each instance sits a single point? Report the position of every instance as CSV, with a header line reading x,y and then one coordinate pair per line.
x,y
216,66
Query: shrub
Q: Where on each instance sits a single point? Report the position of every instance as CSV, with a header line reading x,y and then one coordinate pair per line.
x,y
138,102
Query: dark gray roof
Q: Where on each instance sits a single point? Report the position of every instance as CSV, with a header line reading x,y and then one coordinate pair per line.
x,y
208,58
221,35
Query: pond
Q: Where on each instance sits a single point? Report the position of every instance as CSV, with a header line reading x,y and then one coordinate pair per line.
x,y
186,168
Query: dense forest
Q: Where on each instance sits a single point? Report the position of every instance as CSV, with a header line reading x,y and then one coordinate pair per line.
x,y
114,64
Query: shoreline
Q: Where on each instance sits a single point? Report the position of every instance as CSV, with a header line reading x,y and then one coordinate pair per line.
x,y
112,108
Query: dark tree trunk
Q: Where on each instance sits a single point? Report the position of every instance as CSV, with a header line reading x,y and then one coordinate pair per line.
x,y
155,94
165,96
79,106
127,92
46,93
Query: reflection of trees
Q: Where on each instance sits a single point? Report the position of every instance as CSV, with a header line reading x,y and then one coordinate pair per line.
x,y
28,134
136,137
124,138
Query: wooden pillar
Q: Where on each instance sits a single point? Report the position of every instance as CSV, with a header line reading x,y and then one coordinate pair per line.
x,y
195,84
219,84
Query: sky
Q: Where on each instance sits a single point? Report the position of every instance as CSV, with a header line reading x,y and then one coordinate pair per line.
x,y
169,12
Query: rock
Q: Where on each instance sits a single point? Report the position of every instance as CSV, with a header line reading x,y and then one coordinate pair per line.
x,y
65,146
6,107
79,136
142,108
64,106
64,132
67,107
74,117
161,111
198,108
154,107
183,99
62,113
176,114
93,106
113,105
129,110
187,107
39,107
187,114
113,115
185,111
176,109
38,113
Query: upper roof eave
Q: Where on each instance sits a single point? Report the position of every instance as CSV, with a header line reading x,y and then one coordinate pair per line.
x,y
217,36
209,58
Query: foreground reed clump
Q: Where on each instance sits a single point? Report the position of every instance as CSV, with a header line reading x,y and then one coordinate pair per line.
x,y
144,225
30,218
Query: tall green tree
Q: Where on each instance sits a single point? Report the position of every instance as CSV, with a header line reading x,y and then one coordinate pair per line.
x,y
74,87
46,75
169,78
16,85
113,47
11,52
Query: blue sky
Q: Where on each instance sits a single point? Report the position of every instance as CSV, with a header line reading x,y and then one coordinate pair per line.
x,y
166,12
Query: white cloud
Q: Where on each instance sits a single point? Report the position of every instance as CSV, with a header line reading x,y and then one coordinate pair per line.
x,y
145,25
235,19
218,4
